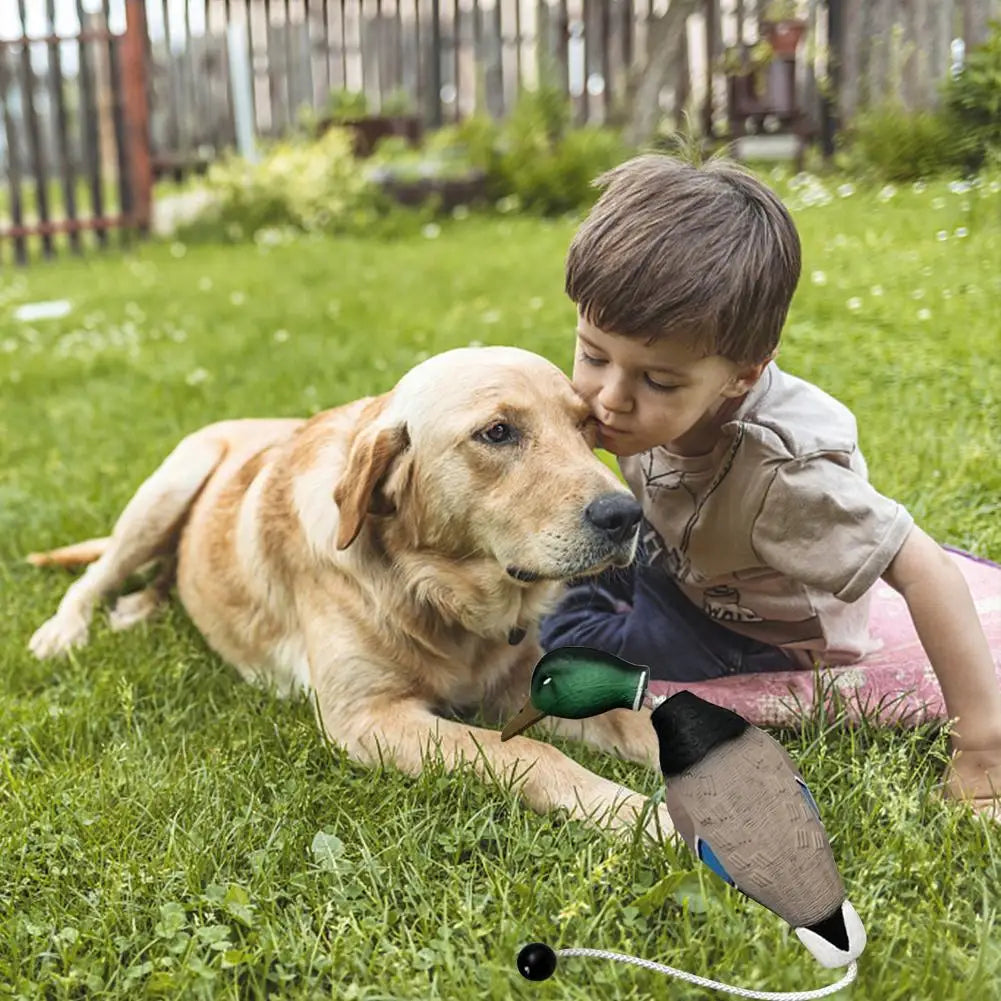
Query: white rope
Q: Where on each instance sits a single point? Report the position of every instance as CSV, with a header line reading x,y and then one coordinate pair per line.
x,y
715,985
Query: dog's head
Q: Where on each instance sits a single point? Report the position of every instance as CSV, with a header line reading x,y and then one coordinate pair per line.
x,y
486,452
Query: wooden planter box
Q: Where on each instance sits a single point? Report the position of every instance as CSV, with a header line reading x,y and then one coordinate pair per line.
x,y
771,91
370,129
451,191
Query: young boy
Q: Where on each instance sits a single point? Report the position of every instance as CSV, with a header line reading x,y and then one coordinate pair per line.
x,y
761,534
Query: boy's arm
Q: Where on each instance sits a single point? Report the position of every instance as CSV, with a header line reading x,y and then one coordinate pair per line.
x,y
640,624
946,621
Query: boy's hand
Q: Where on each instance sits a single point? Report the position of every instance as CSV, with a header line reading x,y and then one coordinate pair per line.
x,y
974,776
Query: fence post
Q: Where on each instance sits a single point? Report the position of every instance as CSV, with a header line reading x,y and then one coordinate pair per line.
x,y
830,109
241,85
136,109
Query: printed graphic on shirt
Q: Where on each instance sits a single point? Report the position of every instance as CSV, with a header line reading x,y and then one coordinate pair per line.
x,y
723,604
659,553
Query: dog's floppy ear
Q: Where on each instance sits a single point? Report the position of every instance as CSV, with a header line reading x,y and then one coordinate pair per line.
x,y
376,444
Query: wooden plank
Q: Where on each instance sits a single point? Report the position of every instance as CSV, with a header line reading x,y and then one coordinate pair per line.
x,y
369,51
849,58
300,72
14,170
327,47
89,128
277,69
30,117
67,166
518,46
493,80
615,83
458,43
118,126
559,39
976,27
343,36
712,19
192,91
605,63
173,86
503,13
289,64
433,58
19,231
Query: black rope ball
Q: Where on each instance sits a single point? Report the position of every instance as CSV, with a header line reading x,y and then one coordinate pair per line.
x,y
536,961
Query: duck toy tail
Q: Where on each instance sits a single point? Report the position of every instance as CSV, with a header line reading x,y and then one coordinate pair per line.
x,y
734,794
744,809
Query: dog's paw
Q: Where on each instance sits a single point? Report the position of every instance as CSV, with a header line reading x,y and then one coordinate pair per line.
x,y
131,609
59,635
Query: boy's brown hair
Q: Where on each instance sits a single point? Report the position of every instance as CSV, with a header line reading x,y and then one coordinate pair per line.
x,y
705,252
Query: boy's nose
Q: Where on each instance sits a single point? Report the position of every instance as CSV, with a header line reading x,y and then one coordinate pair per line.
x,y
617,515
614,397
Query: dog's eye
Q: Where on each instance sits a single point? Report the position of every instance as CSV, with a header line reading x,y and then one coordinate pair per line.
x,y
500,433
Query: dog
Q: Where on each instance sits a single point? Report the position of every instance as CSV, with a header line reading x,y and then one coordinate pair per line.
x,y
391,557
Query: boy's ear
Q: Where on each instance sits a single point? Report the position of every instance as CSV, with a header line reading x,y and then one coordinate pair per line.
x,y
745,377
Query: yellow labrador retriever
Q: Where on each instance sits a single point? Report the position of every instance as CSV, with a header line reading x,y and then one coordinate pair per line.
x,y
391,556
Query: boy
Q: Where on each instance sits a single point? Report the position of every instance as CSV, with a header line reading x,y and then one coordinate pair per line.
x,y
761,535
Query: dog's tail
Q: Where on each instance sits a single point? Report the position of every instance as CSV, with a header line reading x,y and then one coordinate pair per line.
x,y
76,555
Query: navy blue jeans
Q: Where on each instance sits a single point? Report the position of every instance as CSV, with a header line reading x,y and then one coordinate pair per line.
x,y
641,615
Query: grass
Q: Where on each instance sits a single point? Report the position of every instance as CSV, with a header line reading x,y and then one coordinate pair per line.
x,y
166,830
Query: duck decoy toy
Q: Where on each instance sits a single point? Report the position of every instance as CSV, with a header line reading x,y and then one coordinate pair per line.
x,y
735,796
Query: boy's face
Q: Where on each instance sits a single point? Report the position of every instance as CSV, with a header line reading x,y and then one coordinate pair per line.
x,y
662,393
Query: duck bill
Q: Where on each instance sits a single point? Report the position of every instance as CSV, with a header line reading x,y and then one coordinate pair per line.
x,y
527,715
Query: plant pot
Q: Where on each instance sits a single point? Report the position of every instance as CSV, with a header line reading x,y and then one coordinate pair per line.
x,y
783,36
450,191
370,129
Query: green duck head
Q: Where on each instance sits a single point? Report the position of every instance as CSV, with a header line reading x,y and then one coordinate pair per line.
x,y
574,682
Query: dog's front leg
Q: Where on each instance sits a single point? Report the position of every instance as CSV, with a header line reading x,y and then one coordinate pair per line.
x,y
404,732
622,732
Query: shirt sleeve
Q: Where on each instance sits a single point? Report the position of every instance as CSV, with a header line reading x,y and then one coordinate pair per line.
x,y
823,524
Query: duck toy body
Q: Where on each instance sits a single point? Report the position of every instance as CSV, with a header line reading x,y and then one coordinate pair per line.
x,y
734,794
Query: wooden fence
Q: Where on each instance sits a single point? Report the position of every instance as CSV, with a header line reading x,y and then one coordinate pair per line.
x,y
448,58
74,141
90,108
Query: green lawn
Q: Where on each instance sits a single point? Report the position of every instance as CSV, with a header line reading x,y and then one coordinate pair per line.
x,y
168,830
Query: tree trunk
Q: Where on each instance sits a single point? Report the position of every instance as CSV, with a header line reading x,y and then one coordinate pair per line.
x,y
663,40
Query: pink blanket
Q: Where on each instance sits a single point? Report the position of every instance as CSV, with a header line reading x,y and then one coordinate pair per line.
x,y
894,684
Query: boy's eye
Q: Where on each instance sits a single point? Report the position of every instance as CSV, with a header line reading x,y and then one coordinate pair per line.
x,y
590,359
660,387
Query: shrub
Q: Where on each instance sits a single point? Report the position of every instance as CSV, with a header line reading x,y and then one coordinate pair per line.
x,y
310,186
535,157
895,144
972,103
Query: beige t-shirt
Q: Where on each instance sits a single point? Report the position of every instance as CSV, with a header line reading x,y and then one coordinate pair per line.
x,y
777,533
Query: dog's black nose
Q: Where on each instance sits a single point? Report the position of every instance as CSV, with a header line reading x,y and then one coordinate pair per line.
x,y
617,515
